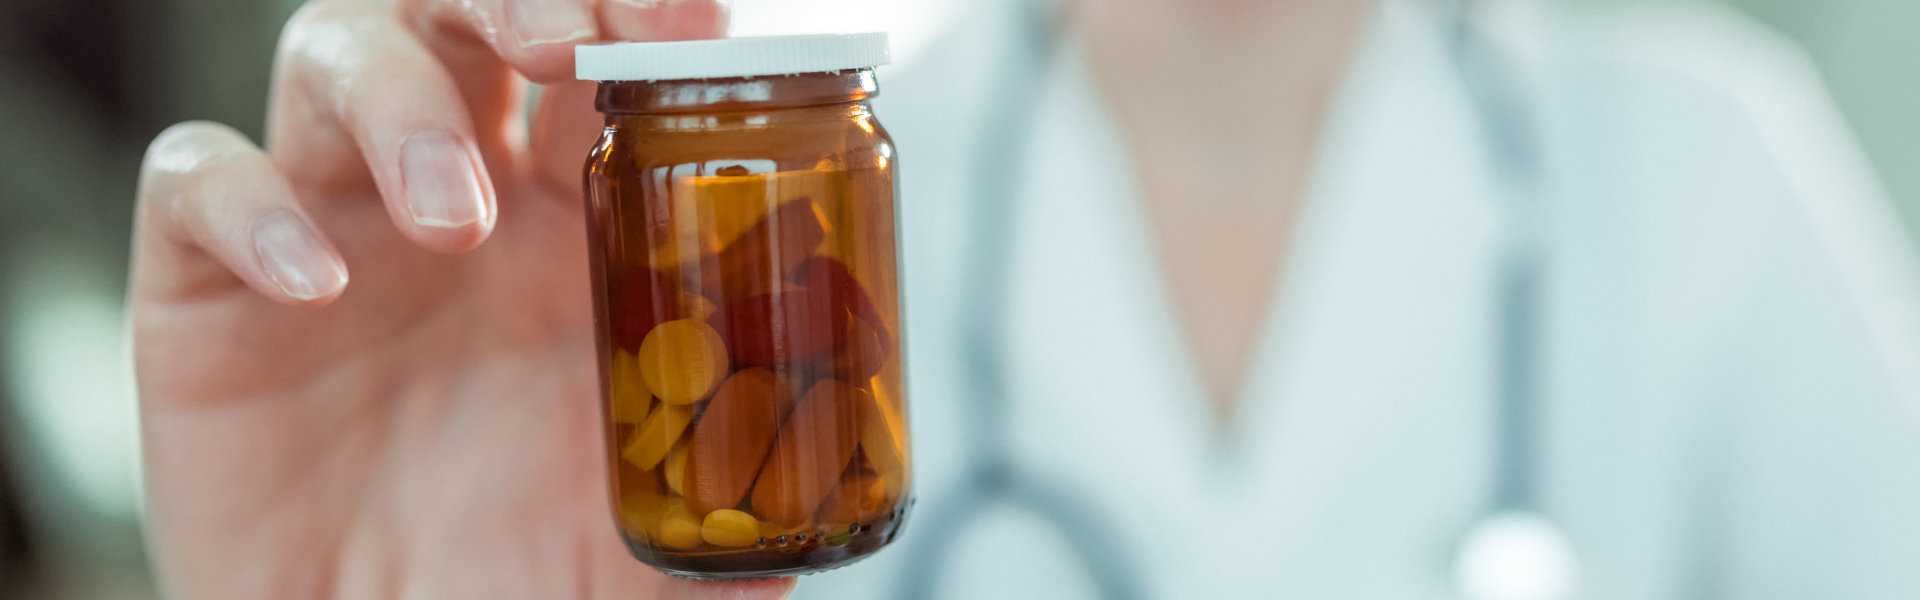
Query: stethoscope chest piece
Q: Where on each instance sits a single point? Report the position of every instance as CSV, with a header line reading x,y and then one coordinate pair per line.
x,y
1515,555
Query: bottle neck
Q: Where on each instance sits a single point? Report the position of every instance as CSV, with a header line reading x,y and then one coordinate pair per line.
x,y
690,96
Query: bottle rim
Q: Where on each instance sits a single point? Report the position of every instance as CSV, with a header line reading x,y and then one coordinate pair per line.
x,y
730,57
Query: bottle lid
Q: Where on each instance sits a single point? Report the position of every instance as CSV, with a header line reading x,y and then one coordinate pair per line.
x,y
730,57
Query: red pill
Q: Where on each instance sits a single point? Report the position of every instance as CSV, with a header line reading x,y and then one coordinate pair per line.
x,y
757,261
642,298
783,327
827,272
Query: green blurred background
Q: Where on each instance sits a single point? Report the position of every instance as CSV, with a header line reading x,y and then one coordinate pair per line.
x,y
85,83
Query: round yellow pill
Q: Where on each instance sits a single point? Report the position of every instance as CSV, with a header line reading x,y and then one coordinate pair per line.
x,y
682,361
730,528
679,527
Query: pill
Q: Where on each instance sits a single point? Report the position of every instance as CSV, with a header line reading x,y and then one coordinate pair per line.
x,y
697,307
640,511
827,272
631,400
733,198
641,299
636,481
789,326
814,447
730,528
727,447
859,497
758,259
883,437
774,531
893,485
679,527
675,468
788,385
682,361
861,354
656,436
647,230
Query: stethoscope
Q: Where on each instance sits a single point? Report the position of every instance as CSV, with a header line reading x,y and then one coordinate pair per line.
x,y
1511,551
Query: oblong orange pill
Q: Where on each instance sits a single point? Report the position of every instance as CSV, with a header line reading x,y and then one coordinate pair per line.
x,y
859,497
883,438
731,440
814,447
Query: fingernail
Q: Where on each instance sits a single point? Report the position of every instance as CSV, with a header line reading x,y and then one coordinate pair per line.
x,y
442,185
537,22
294,257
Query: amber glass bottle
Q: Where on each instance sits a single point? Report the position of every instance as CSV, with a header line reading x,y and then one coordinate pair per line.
x,y
741,223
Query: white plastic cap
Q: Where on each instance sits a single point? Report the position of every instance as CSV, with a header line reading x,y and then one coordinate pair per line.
x,y
730,57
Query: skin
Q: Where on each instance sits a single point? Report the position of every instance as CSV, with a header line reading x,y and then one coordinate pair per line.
x,y
1220,194
431,430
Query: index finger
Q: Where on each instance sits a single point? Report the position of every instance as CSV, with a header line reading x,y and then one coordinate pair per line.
x,y
536,37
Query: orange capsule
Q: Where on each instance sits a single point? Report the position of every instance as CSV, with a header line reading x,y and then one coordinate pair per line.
x,y
787,389
860,496
731,440
883,438
814,447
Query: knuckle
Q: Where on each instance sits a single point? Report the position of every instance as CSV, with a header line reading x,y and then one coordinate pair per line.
x,y
188,147
183,160
318,14
329,45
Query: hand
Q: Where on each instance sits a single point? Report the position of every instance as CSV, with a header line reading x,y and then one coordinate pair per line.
x,y
431,430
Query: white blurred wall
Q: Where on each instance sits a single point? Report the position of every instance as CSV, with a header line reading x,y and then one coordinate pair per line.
x,y
1868,51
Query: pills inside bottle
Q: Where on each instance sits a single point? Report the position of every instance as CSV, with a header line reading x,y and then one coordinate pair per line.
x,y
746,292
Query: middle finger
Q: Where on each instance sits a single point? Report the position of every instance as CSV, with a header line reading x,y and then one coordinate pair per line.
x,y
356,96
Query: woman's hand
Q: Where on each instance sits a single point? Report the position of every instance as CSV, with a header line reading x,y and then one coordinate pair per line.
x,y
430,430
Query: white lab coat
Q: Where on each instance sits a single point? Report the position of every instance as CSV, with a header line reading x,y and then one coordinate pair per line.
x,y
1726,343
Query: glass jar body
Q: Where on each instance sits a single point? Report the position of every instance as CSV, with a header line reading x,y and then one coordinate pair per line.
x,y
747,303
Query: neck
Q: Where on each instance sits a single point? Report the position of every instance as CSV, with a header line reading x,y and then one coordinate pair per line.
x,y
1220,103
1252,76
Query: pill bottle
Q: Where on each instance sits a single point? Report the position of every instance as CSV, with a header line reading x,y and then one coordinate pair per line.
x,y
740,213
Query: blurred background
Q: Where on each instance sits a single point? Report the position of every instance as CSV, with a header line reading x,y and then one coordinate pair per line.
x,y
84,84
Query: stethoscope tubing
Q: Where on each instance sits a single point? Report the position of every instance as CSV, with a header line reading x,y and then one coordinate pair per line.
x,y
992,477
